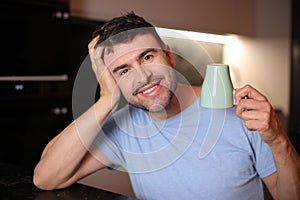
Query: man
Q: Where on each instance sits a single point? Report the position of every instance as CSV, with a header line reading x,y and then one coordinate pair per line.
x,y
157,137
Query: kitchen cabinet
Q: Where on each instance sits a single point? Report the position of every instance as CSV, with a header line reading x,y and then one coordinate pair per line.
x,y
28,125
35,84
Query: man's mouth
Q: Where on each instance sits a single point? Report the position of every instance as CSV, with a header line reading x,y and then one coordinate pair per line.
x,y
149,89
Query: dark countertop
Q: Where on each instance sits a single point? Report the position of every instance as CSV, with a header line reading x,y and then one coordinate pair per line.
x,y
16,183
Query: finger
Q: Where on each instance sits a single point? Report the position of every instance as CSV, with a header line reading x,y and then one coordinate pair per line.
x,y
95,56
255,125
250,92
93,43
91,49
252,104
255,115
254,119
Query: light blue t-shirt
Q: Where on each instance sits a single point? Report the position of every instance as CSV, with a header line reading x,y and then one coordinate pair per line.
x,y
197,154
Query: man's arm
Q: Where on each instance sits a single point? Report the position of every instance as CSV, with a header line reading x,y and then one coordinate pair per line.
x,y
259,115
66,158
285,184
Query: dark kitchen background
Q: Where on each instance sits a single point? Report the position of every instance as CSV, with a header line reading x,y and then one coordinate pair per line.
x,y
42,50
43,46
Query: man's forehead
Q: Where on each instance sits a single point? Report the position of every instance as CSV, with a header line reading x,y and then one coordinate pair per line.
x,y
139,43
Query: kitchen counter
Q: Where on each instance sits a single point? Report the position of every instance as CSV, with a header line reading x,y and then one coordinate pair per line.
x,y
16,183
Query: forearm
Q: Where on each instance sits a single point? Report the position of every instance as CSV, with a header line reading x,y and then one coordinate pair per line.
x,y
64,154
288,168
260,116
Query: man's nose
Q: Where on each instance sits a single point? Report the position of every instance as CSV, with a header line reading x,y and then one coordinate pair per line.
x,y
143,73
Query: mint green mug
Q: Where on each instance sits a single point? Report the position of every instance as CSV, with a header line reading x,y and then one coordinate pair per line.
x,y
217,89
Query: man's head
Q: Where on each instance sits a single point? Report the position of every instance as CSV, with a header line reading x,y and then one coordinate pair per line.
x,y
121,26
140,62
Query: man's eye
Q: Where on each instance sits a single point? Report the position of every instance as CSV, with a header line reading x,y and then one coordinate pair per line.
x,y
147,58
122,72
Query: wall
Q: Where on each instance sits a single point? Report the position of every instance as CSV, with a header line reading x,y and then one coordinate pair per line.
x,y
264,60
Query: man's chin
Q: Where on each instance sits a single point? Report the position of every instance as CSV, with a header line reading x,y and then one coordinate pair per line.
x,y
157,108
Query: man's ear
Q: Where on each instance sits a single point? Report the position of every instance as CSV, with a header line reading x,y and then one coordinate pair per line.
x,y
170,55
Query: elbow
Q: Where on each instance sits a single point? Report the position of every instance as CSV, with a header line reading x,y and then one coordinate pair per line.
x,y
42,181
48,181
42,184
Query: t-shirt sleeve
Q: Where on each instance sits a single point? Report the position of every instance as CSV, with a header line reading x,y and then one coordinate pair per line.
x,y
264,160
107,142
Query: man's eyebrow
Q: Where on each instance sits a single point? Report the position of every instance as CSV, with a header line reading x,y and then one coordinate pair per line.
x,y
145,52
115,70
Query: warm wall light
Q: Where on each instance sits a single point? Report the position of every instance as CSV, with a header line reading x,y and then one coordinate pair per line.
x,y
233,51
232,46
204,37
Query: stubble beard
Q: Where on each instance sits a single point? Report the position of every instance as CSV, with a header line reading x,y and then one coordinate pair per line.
x,y
156,107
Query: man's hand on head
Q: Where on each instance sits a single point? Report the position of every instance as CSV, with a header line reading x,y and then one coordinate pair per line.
x,y
108,85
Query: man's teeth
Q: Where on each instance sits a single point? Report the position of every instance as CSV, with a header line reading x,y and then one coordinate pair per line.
x,y
150,89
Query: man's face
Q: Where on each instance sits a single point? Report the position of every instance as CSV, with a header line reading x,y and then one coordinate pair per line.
x,y
144,72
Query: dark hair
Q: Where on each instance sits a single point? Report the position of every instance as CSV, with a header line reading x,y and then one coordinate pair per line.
x,y
126,27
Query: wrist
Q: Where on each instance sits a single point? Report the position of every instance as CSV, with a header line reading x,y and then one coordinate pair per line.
x,y
280,142
281,148
106,104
